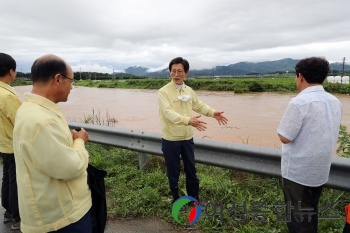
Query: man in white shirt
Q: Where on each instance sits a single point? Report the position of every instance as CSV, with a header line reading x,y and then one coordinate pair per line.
x,y
309,132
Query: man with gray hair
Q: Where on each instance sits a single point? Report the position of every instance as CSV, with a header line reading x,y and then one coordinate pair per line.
x,y
51,160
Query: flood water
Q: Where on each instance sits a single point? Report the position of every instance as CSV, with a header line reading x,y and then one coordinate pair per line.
x,y
253,118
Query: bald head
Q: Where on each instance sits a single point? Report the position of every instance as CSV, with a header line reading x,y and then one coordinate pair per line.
x,y
52,78
46,67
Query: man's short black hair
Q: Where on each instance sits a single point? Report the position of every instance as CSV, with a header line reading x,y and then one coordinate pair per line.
x,y
44,69
314,69
180,60
7,63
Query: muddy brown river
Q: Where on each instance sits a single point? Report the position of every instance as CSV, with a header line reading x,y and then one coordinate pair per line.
x,y
253,118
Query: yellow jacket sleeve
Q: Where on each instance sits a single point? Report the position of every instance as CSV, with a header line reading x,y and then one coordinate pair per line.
x,y
52,155
11,104
200,107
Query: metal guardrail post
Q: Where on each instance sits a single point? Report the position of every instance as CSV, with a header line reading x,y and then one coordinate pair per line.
x,y
142,160
253,159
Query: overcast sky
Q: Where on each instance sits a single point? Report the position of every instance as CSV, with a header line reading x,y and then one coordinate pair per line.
x,y
103,35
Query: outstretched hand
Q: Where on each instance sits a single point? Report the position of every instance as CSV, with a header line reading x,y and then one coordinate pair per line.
x,y
198,124
220,118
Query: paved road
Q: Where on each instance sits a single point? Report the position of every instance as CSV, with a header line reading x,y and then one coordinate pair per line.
x,y
4,227
148,225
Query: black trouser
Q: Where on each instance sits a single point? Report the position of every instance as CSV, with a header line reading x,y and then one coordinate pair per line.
x,y
9,197
172,151
304,199
84,225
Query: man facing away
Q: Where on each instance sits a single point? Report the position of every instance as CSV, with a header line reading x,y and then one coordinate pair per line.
x,y
51,160
176,102
309,132
9,103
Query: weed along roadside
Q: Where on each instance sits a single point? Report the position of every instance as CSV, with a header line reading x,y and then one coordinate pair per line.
x,y
233,201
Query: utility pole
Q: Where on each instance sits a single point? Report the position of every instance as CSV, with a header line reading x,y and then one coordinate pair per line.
x,y
343,67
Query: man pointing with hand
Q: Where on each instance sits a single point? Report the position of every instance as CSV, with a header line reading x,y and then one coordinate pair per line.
x,y
176,102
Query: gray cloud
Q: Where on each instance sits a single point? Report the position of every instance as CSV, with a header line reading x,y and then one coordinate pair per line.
x,y
115,34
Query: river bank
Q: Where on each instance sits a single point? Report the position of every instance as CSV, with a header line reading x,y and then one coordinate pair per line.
x,y
282,84
237,85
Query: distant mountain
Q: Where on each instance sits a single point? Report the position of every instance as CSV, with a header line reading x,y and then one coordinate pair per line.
x,y
241,68
137,70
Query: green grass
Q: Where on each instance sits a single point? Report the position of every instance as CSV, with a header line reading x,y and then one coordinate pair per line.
x,y
238,85
344,142
283,84
143,193
21,82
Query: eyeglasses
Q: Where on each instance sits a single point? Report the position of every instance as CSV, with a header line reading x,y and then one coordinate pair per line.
x,y
179,72
71,79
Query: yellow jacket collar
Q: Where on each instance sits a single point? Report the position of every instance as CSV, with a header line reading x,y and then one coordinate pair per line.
x,y
7,87
44,102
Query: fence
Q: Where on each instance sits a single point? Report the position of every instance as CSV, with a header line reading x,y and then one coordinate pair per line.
x,y
252,159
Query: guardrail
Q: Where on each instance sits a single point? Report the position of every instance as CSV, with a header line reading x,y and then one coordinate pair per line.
x,y
252,159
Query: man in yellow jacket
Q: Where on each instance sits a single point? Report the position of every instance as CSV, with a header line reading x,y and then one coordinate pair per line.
x,y
51,160
176,102
9,103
